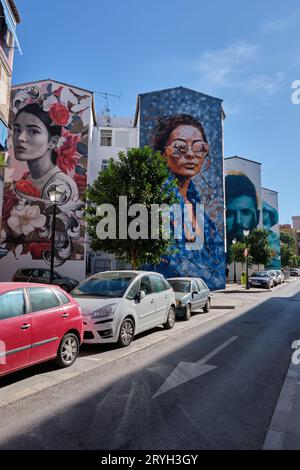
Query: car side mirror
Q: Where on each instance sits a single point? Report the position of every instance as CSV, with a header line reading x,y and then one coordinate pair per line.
x,y
141,295
195,292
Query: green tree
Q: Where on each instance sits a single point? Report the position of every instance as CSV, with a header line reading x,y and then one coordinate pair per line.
x,y
236,252
287,248
259,249
140,175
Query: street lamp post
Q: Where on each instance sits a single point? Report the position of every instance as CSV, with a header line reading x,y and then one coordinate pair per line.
x,y
56,195
234,264
246,233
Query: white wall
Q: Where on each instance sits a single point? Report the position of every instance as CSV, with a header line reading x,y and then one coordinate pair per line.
x,y
99,153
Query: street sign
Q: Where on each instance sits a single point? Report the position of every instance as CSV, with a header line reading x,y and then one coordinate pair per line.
x,y
246,252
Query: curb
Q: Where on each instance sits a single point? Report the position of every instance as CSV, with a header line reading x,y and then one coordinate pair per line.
x,y
276,434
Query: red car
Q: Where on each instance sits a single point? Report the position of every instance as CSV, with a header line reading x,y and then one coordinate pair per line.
x,y
38,322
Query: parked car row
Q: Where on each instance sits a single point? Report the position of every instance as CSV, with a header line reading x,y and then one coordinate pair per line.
x,y
40,322
266,279
295,272
42,276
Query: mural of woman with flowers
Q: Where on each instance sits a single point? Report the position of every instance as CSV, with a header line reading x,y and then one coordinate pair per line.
x,y
47,134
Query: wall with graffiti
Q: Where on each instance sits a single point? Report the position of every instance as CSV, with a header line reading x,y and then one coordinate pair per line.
x,y
243,197
49,132
187,128
271,224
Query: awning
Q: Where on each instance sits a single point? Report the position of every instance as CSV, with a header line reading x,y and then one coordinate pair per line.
x,y
10,24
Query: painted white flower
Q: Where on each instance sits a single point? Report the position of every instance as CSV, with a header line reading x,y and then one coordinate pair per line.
x,y
25,219
67,97
19,100
49,102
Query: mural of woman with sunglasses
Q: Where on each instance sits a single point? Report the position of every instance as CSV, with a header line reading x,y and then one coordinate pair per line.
x,y
200,251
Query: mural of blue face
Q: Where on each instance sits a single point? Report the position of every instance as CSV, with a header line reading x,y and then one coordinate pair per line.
x,y
186,127
270,219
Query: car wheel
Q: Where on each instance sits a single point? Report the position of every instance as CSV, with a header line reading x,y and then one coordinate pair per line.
x,y
188,312
65,287
126,333
170,319
68,350
206,307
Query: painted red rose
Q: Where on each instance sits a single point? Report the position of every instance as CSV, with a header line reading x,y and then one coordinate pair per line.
x,y
59,114
81,182
36,249
26,187
67,155
9,201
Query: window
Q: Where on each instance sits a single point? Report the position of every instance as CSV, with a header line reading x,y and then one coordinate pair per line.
x,y
133,292
146,285
105,138
122,139
201,284
42,298
36,273
195,287
157,284
104,165
12,304
63,298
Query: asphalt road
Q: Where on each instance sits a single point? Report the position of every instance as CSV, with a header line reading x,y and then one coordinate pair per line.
x,y
150,400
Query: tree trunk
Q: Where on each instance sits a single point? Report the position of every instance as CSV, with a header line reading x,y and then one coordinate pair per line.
x,y
134,259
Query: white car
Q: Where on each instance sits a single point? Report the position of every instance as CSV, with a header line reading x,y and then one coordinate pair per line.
x,y
117,305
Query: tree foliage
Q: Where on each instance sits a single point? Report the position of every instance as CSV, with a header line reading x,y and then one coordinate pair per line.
x,y
140,175
259,248
287,248
236,252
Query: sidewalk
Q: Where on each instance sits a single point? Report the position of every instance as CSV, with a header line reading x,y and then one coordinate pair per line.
x,y
284,431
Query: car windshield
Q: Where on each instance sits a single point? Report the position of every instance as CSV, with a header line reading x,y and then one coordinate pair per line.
x,y
260,274
105,285
180,286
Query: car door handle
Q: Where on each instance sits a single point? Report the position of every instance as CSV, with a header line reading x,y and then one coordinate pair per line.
x,y
25,326
65,315
152,301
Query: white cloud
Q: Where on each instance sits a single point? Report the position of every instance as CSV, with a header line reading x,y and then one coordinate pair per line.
x,y
268,83
219,67
233,68
278,25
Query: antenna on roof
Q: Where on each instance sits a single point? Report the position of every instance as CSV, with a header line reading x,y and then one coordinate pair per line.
x,y
106,110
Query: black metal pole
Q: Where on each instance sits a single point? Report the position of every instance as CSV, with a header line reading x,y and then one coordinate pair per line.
x,y
52,243
247,282
234,272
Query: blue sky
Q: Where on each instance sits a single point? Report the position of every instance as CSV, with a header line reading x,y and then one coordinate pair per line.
x,y
246,53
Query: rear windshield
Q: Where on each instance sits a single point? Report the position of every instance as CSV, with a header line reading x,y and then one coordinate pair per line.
x,y
180,286
106,285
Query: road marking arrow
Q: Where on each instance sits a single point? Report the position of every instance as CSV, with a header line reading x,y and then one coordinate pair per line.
x,y
186,371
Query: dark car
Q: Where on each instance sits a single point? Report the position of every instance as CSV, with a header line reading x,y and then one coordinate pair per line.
x,y
261,279
42,276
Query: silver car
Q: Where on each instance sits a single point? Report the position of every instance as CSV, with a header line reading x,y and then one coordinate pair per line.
x,y
117,305
190,294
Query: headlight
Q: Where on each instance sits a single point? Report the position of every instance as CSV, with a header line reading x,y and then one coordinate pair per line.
x,y
106,311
